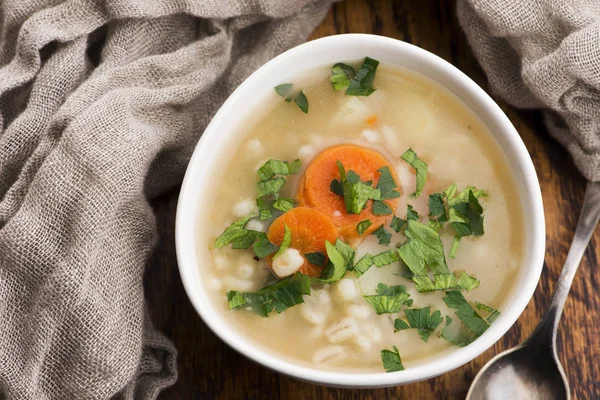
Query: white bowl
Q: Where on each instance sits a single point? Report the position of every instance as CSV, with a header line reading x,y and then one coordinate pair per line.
x,y
223,134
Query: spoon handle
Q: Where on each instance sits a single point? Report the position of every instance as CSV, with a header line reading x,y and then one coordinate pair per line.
x,y
588,219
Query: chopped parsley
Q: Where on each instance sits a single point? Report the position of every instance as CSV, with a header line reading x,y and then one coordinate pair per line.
x,y
286,242
285,91
367,261
316,258
391,360
361,84
423,251
445,281
381,208
270,187
437,209
362,226
263,247
337,266
341,74
356,193
420,319
386,184
420,167
278,296
388,299
493,313
468,316
245,241
411,214
398,224
233,232
284,204
278,167
363,265
383,235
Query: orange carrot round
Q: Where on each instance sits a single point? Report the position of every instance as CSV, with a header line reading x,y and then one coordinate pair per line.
x,y
314,187
310,230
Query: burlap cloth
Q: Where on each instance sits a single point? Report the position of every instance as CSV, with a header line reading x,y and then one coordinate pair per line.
x,y
544,54
101,103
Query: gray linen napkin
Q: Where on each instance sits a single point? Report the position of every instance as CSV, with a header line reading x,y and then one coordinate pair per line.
x,y
544,54
101,103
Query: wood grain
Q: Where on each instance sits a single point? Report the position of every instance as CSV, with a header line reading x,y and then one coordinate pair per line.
x,y
208,369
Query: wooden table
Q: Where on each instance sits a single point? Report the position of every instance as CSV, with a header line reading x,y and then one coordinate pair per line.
x,y
208,369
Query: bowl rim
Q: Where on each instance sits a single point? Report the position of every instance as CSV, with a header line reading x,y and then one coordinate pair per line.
x,y
535,235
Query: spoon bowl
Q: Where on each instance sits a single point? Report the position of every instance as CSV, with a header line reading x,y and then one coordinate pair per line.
x,y
523,372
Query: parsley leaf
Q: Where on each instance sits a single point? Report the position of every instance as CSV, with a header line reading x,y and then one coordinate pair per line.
x,y
302,102
386,184
420,319
383,235
445,281
284,204
264,208
494,314
340,76
398,224
363,265
437,209
381,208
270,187
245,241
284,90
263,247
467,217
316,258
278,167
286,242
336,187
466,313
391,360
411,214
388,299
423,250
361,84
400,325
336,268
454,247
420,167
356,193
362,226
233,231
386,258
279,296
346,251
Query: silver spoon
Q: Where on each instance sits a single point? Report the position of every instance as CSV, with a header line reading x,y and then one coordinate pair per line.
x,y
532,370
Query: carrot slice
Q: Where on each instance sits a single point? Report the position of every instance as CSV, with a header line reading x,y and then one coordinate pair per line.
x,y
314,188
310,229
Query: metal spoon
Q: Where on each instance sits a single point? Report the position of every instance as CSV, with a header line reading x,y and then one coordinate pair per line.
x,y
532,370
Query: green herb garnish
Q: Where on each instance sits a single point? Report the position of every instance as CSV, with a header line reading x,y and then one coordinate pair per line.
x,y
285,91
420,167
263,247
361,83
337,266
386,184
356,193
391,360
286,242
233,231
423,250
316,258
383,235
341,74
397,224
279,296
466,313
420,319
381,208
445,281
362,226
278,167
411,214
284,204
388,299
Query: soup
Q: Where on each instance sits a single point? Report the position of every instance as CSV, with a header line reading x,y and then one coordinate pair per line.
x,y
367,222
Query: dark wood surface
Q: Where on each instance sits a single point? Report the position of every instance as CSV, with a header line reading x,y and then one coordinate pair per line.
x,y
208,369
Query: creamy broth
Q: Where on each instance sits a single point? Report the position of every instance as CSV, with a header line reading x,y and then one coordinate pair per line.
x,y
336,329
